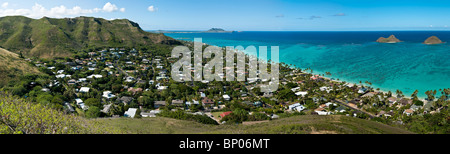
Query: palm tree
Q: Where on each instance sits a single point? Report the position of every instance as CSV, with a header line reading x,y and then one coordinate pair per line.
x,y
430,95
414,94
399,93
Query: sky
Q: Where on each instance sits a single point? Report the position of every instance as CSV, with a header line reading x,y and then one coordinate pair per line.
x,y
249,15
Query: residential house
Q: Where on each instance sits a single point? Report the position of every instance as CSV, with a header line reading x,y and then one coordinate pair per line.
x,y
134,90
129,79
96,76
108,94
321,111
193,102
84,89
130,113
362,90
158,104
207,101
152,113
297,106
69,108
301,93
405,101
177,102
408,112
106,108
124,99
226,97
392,100
71,82
60,76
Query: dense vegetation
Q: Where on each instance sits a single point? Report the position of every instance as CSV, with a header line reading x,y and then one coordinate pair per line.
x,y
20,116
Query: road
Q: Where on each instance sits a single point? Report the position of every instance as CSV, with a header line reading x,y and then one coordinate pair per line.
x,y
357,109
119,68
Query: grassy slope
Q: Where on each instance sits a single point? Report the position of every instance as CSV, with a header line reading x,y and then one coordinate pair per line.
x,y
306,124
12,67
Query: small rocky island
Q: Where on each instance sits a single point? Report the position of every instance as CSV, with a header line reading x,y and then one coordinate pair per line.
x,y
390,39
433,40
217,30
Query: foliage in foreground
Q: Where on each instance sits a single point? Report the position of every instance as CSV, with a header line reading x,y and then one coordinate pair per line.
x,y
20,116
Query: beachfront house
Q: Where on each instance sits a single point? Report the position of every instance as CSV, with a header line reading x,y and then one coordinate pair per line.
x,y
362,90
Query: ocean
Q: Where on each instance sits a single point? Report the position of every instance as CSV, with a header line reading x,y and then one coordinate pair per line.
x,y
354,56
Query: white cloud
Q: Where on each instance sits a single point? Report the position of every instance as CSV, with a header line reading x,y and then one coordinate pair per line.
x,y
5,5
152,8
38,11
108,7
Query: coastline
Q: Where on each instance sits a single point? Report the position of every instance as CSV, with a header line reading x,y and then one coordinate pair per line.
x,y
382,90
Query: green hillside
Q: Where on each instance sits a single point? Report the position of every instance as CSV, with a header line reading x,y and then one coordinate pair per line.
x,y
12,67
49,37
303,124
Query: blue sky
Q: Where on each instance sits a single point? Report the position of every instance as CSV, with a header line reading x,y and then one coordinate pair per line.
x,y
249,15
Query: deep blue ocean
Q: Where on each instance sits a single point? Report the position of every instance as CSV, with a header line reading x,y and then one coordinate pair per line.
x,y
354,56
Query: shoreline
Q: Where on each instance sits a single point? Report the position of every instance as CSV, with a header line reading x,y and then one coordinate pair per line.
x,y
327,78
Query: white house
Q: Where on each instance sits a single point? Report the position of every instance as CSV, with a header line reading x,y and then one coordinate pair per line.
x,y
60,71
296,106
79,101
300,108
108,94
60,76
325,88
303,93
193,102
162,87
84,89
226,97
82,79
94,76
295,89
130,113
129,79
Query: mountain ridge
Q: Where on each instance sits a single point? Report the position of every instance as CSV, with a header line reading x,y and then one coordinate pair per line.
x,y
58,37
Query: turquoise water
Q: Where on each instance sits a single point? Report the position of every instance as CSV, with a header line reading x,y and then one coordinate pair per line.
x,y
354,56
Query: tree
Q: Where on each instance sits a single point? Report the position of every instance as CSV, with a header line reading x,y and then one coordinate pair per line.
x,y
414,94
93,102
93,112
138,114
399,93
430,95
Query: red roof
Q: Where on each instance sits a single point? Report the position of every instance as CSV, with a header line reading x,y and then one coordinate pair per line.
x,y
225,114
